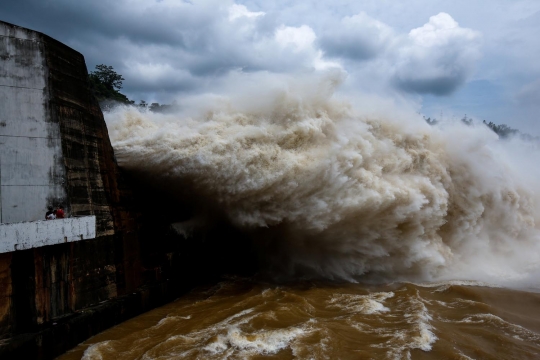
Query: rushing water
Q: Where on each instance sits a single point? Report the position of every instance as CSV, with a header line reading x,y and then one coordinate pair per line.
x,y
241,319
328,192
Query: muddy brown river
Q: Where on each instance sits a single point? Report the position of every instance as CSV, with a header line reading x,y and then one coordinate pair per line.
x,y
244,319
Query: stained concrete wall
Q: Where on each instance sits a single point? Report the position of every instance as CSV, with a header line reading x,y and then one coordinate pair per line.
x,y
53,297
55,149
28,235
32,175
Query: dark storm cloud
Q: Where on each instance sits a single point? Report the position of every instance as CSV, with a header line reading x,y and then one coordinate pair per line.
x,y
202,40
172,46
357,37
437,85
68,20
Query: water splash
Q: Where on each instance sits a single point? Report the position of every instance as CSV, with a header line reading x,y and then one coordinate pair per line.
x,y
331,192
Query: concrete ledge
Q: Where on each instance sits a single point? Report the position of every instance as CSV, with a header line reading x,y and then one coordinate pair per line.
x,y
27,235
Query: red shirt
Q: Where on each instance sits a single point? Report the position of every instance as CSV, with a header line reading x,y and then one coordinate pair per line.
x,y
59,214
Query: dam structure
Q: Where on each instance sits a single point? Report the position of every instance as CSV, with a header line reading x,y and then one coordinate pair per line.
x,y
64,280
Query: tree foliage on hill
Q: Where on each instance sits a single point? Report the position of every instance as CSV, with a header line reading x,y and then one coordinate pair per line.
x,y
108,77
431,121
156,107
105,84
502,130
467,121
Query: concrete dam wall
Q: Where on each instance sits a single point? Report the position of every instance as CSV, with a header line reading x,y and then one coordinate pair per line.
x,y
62,281
54,150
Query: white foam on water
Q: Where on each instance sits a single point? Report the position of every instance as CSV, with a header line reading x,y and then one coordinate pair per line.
x,y
411,329
364,304
445,304
233,337
444,285
420,318
509,328
95,351
171,320
463,356
261,342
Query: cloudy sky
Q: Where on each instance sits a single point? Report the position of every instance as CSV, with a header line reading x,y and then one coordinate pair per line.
x,y
446,58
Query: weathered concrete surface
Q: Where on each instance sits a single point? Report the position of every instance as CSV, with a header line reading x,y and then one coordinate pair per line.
x,y
31,165
55,149
50,296
33,234
71,330
53,297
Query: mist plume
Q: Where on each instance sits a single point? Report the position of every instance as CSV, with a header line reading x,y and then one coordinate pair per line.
x,y
328,191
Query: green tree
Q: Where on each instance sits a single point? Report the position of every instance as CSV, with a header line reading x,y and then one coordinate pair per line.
x,y
467,121
159,108
108,77
431,121
502,130
105,84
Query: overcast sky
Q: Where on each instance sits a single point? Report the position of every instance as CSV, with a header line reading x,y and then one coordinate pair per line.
x,y
448,58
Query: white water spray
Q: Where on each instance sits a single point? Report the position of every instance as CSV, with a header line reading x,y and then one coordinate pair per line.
x,y
349,194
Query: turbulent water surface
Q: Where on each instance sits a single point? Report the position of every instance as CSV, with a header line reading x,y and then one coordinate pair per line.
x,y
240,319
329,193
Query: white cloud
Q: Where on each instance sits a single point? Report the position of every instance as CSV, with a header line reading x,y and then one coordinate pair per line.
x,y
320,63
436,58
201,43
237,11
299,38
441,30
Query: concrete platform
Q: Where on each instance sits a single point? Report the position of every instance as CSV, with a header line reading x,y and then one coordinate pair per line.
x,y
33,234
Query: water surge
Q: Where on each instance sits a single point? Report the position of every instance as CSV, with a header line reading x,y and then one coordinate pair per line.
x,y
328,191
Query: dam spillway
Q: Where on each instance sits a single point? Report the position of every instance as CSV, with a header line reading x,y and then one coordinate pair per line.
x,y
61,284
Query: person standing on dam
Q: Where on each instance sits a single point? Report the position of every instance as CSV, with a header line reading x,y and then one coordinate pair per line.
x,y
49,215
59,212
